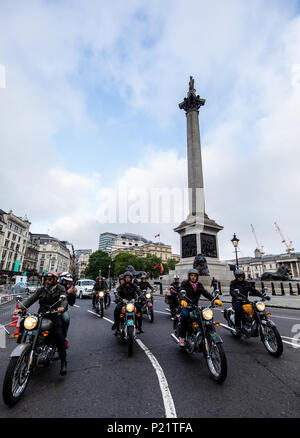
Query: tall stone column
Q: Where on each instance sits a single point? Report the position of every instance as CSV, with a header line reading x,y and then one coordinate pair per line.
x,y
198,233
191,105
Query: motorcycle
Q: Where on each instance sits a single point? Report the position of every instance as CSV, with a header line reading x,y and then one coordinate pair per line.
x,y
201,337
255,322
127,326
99,304
36,348
146,301
173,310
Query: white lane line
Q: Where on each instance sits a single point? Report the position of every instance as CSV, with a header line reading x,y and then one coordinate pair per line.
x,y
169,405
75,305
285,317
170,410
293,344
158,311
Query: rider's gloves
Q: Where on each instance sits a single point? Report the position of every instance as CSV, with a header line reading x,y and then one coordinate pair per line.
x,y
184,304
267,298
218,303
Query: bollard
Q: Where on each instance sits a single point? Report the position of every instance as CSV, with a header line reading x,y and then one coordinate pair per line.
x,y
273,289
161,288
282,289
291,289
298,288
262,286
2,337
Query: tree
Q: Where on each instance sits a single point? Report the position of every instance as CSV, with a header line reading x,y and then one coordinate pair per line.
x,y
99,260
123,259
172,264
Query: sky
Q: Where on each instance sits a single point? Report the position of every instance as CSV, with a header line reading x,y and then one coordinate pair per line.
x,y
89,94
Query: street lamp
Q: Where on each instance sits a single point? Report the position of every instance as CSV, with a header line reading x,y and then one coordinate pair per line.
x,y
109,276
235,242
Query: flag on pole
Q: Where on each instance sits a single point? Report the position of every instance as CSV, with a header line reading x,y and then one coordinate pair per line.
x,y
161,268
158,235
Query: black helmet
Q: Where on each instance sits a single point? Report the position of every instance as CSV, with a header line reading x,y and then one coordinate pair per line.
x,y
239,272
128,273
121,277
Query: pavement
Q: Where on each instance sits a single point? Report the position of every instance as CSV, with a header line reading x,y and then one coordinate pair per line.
x,y
160,379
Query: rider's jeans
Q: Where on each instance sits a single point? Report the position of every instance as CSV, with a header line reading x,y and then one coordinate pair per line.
x,y
65,322
173,301
237,306
184,316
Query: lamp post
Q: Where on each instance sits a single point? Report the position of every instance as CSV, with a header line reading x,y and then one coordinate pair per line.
x,y
109,276
235,242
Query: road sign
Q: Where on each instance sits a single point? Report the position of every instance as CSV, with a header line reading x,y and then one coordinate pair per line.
x,y
17,265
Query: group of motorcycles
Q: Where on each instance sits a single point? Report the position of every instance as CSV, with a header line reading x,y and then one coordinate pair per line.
x,y
202,337
36,346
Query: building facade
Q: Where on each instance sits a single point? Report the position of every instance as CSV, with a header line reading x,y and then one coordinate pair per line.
x,y
30,264
53,254
255,266
14,234
82,257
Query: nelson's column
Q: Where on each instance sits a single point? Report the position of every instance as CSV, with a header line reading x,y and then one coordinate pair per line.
x,y
198,233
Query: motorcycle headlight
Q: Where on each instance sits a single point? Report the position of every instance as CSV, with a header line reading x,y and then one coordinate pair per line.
x,y
148,296
130,307
207,314
30,323
260,306
101,294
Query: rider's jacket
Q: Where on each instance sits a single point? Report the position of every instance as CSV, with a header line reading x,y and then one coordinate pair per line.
x,y
194,295
100,285
47,296
144,285
176,286
128,292
245,288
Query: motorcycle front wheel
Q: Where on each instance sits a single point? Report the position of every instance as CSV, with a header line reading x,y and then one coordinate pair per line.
x,y
150,314
272,341
16,378
130,339
216,362
101,309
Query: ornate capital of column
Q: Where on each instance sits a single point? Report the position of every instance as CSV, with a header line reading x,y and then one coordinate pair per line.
x,y
192,102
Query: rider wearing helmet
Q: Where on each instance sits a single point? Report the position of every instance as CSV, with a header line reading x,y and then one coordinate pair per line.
x,y
66,281
144,284
47,295
193,289
239,290
127,291
174,289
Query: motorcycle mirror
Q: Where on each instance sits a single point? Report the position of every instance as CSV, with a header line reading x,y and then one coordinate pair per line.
x,y
183,291
19,298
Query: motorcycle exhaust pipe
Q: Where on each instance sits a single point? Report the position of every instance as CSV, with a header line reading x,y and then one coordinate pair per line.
x,y
175,339
228,328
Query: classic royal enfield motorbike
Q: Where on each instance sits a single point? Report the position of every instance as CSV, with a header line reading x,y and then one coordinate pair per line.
x,y
255,322
36,348
146,302
201,337
127,326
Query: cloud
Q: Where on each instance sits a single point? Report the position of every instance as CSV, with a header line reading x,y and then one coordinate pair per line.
x,y
244,60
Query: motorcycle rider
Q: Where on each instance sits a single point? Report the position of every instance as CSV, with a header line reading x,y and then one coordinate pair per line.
x,y
127,291
238,297
99,285
47,295
174,289
193,289
66,281
144,284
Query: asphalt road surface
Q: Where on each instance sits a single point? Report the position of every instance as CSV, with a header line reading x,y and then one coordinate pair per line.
x,y
160,380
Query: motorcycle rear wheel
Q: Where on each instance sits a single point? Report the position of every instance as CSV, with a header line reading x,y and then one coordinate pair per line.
x,y
16,379
217,363
272,341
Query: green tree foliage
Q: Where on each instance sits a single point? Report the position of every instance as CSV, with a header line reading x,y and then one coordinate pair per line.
x,y
123,259
98,260
171,264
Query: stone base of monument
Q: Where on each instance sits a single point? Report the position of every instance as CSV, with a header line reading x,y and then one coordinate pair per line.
x,y
218,269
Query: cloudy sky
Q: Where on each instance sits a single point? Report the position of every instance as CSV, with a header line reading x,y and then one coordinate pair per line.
x,y
90,102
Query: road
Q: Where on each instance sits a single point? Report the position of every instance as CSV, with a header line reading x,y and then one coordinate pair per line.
x,y
160,380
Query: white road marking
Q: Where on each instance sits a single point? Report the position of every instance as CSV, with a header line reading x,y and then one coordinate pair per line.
x,y
169,405
75,305
293,344
285,317
158,311
170,410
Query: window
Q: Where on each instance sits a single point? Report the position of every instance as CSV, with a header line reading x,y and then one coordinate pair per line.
x,y
8,234
19,239
16,228
14,237
12,245
6,243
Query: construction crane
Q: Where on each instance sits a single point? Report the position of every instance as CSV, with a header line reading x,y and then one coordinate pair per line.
x,y
289,248
260,248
